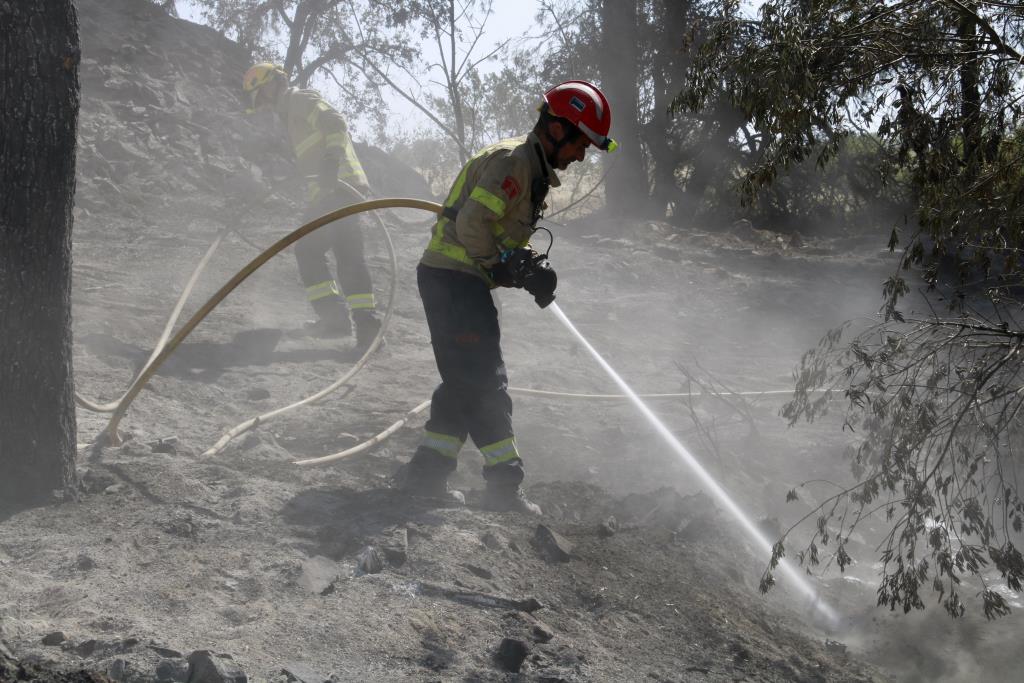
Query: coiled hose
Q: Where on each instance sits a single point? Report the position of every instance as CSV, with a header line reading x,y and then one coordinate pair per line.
x,y
110,435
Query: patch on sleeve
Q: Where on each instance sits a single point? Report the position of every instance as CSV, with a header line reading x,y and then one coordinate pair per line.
x,y
510,186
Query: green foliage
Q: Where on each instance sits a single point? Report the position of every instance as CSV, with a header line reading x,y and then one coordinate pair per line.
x,y
310,35
935,84
938,402
933,81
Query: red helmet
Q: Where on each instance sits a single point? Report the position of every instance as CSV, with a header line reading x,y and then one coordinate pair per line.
x,y
586,107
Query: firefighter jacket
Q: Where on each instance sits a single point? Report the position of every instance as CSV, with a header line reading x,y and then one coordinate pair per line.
x,y
313,128
492,207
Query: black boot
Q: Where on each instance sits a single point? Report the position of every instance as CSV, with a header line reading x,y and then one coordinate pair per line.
x,y
367,326
499,497
413,479
503,493
332,320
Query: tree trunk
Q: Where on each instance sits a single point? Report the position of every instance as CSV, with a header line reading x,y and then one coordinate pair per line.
x,y
39,96
626,188
970,93
669,63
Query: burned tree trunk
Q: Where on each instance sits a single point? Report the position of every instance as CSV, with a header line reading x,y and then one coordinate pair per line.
x,y
39,99
619,64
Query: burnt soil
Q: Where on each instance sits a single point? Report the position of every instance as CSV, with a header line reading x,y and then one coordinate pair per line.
x,y
314,573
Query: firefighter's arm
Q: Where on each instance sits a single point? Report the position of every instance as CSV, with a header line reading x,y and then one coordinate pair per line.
x,y
338,145
501,187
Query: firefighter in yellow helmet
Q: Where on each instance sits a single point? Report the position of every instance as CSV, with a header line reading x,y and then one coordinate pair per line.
x,y
324,155
480,242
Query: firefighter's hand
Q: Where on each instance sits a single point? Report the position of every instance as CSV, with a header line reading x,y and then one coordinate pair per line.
x,y
327,178
511,270
540,281
503,275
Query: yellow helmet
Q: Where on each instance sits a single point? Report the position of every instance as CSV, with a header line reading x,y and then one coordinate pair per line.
x,y
259,75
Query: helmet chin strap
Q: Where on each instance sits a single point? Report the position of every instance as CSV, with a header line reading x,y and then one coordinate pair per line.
x,y
556,145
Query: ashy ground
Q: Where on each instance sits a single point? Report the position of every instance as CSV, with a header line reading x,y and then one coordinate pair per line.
x,y
244,562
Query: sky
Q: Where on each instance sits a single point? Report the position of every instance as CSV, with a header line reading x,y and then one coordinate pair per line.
x,y
510,19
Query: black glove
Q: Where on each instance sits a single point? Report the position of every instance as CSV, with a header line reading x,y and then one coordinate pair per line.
x,y
511,270
327,178
540,281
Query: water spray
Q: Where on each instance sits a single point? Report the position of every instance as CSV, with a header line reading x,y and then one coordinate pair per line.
x,y
708,481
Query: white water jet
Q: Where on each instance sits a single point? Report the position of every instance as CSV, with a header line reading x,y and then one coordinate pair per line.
x,y
709,482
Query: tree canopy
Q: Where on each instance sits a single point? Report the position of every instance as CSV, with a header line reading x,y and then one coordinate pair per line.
x,y
936,395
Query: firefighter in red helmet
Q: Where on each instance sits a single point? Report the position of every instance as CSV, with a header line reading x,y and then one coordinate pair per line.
x,y
480,242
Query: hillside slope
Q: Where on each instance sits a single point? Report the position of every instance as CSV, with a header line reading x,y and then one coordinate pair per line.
x,y
323,573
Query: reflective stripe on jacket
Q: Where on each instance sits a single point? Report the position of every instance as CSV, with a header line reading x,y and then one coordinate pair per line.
x,y
313,128
493,198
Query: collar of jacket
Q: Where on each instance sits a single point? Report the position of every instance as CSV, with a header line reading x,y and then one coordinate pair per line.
x,y
281,106
538,168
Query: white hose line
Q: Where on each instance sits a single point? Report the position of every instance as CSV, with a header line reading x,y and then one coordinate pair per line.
x,y
110,435
370,443
97,407
619,397
251,423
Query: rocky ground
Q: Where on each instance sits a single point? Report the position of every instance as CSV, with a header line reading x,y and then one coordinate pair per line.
x,y
172,565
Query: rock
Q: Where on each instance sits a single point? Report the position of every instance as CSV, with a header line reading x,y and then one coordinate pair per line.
x,y
86,648
119,669
165,651
511,654
55,638
84,563
551,545
743,229
168,670
182,527
541,632
478,572
168,444
492,541
608,527
208,667
300,673
257,394
438,655
318,575
96,481
396,547
369,561
526,623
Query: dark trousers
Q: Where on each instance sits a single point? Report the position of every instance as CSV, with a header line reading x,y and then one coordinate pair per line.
x,y
345,239
472,399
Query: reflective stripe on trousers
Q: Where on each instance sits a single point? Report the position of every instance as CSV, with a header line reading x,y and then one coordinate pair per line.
x,y
322,290
499,452
360,301
472,400
445,444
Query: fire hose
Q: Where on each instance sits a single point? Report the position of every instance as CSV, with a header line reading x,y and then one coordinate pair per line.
x,y
110,435
165,348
